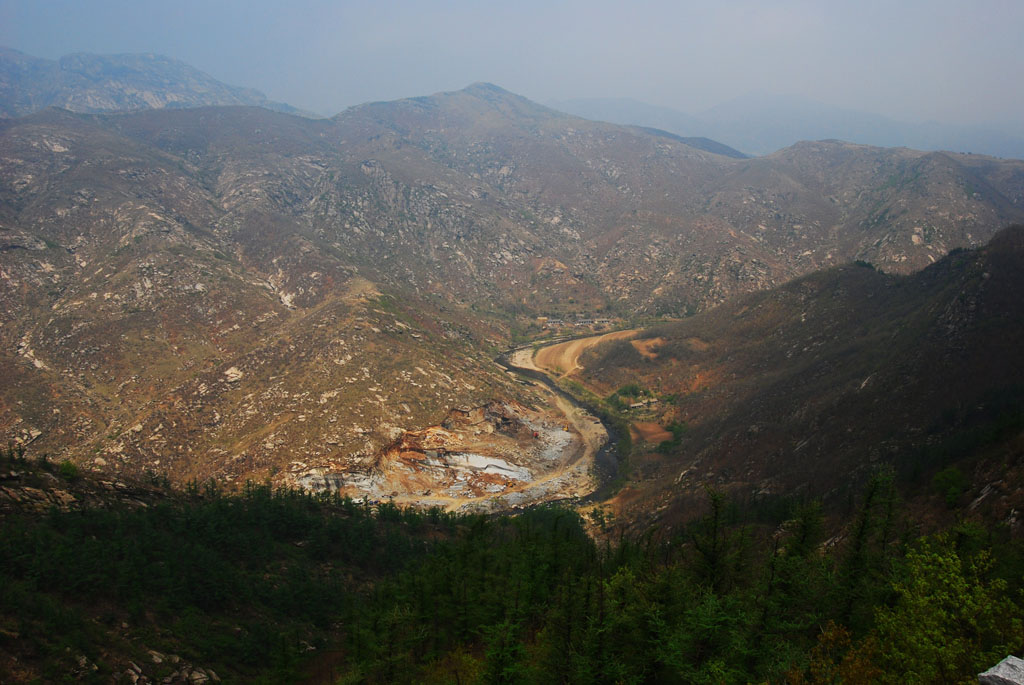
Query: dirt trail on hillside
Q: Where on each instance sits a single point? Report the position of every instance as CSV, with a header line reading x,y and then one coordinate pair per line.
x,y
563,359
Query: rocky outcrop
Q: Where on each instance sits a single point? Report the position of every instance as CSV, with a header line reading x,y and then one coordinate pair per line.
x,y
477,454
166,669
32,486
1009,671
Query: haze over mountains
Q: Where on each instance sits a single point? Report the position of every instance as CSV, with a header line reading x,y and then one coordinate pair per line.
x,y
110,83
233,291
761,123
754,124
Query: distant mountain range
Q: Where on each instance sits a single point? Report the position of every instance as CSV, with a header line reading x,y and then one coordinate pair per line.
x,y
108,83
759,124
756,124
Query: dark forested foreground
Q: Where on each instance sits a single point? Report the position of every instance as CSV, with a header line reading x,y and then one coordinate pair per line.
x,y
279,586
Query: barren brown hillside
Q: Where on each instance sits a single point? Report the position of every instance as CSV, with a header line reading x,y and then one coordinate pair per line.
x,y
233,292
806,389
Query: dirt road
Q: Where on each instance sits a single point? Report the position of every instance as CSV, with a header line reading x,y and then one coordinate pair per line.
x,y
563,359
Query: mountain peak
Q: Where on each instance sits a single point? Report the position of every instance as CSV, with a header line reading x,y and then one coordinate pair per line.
x,y
483,88
478,104
496,95
507,103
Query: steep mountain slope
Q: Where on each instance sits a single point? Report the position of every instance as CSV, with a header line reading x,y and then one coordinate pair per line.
x,y
108,83
699,142
235,292
809,387
139,333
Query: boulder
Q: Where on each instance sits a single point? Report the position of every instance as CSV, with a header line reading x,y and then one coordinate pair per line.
x,y
1009,671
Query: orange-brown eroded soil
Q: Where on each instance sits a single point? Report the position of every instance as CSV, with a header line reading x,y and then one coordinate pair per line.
x,y
650,432
648,348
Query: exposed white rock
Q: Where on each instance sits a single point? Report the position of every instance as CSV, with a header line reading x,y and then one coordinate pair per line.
x,y
1009,671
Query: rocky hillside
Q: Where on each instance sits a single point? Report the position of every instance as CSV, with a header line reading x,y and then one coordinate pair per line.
x,y
808,388
143,336
110,83
654,225
234,292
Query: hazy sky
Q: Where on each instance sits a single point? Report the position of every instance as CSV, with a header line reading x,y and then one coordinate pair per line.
x,y
947,60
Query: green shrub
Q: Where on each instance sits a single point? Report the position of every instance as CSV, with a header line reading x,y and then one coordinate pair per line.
x,y
68,470
950,483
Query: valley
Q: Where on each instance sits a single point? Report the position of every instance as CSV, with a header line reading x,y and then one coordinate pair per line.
x,y
688,350
237,294
499,457
452,388
813,387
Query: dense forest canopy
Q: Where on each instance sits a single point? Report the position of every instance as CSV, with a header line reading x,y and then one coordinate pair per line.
x,y
281,586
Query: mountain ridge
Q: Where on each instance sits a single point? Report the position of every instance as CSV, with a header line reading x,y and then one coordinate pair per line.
x,y
94,83
268,262
810,387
